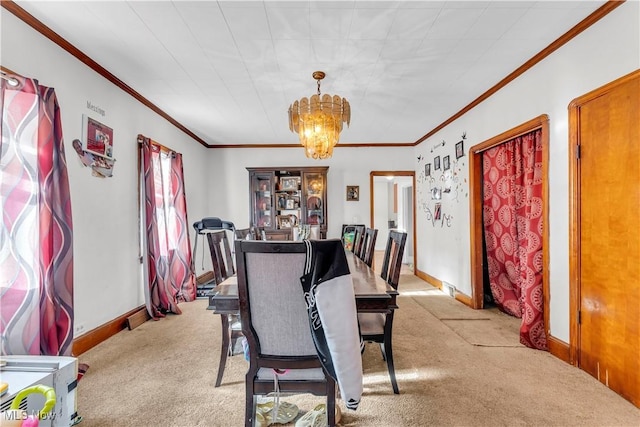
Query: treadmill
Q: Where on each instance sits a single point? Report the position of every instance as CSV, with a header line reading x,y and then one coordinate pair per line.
x,y
206,281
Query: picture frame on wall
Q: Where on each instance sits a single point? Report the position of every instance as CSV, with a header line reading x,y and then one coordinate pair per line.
x,y
353,193
459,149
427,169
98,137
436,163
446,163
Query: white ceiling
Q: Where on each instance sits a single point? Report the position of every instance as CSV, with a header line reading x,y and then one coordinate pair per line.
x,y
228,70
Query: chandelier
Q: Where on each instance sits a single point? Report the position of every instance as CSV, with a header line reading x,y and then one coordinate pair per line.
x,y
318,121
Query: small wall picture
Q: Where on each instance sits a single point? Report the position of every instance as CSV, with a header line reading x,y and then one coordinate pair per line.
x,y
427,169
438,211
459,149
446,164
353,193
436,193
436,163
98,138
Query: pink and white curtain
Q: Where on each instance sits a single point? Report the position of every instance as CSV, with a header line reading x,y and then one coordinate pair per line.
x,y
36,236
170,278
512,174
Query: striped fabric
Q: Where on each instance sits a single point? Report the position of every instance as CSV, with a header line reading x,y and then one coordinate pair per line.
x,y
36,245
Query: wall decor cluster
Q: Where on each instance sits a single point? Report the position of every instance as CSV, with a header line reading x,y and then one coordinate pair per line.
x,y
442,183
97,150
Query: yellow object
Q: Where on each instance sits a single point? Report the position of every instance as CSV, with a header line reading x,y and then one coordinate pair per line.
x,y
15,417
3,388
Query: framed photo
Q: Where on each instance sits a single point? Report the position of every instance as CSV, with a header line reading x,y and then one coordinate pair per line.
x,y
98,138
427,169
353,193
290,183
436,163
284,221
438,211
446,163
436,193
459,149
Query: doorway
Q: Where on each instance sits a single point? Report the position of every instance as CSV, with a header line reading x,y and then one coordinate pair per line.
x,y
605,235
478,252
392,207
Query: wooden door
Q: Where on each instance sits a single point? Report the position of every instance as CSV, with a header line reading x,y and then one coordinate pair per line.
x,y
606,235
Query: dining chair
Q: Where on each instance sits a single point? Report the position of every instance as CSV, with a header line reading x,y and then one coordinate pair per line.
x,y
221,258
223,268
258,233
351,233
243,234
378,327
368,245
359,239
275,323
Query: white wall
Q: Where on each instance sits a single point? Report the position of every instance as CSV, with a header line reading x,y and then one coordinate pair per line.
x,y
105,211
348,166
606,51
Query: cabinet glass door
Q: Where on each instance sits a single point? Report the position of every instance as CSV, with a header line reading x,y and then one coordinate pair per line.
x,y
287,201
314,190
262,200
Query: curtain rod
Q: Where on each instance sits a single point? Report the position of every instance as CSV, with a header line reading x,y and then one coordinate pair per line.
x,y
141,138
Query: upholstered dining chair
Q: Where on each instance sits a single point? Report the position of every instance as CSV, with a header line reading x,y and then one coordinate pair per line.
x,y
378,327
275,323
368,245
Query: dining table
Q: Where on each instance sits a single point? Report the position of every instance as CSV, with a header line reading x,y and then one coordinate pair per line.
x,y
373,294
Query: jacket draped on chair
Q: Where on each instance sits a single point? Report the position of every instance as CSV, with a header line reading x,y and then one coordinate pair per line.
x,y
329,295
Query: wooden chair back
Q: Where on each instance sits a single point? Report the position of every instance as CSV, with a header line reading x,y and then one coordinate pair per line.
x,y
392,261
243,234
221,259
368,245
358,231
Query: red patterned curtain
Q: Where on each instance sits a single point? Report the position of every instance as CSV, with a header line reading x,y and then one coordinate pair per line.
x,y
36,240
512,174
170,278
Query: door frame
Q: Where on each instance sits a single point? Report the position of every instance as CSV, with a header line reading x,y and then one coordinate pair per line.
x,y
412,174
476,206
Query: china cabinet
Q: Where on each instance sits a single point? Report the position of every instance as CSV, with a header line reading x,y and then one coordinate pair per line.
x,y
283,198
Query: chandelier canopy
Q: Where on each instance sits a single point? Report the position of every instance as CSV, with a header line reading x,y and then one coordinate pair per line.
x,y
318,121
